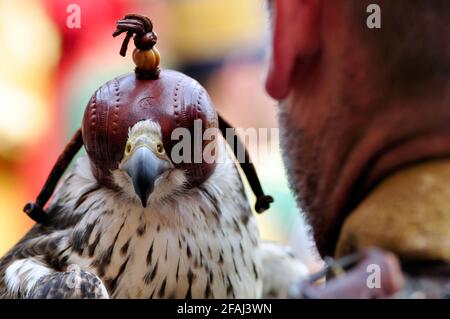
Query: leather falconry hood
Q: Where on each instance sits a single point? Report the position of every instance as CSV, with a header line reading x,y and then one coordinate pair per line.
x,y
173,101
170,98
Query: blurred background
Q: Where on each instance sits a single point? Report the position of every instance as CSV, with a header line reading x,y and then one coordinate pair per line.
x,y
51,62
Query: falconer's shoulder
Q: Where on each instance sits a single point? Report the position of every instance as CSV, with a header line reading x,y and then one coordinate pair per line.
x,y
408,214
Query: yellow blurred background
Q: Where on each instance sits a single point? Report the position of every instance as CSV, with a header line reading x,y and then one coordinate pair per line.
x,y
49,70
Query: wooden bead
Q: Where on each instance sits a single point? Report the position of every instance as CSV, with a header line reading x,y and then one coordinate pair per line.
x,y
146,60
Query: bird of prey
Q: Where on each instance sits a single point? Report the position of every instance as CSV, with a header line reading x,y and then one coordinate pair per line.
x,y
149,238
128,221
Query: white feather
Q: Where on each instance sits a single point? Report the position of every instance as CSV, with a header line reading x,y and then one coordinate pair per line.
x,y
23,274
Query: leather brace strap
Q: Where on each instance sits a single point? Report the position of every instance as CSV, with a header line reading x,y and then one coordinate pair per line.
x,y
263,201
36,210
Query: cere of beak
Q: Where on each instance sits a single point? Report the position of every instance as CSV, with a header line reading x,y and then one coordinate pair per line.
x,y
144,168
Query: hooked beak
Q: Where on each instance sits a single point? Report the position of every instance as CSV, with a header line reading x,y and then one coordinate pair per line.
x,y
144,168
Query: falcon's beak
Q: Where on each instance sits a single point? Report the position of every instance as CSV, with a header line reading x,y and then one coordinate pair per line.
x,y
144,168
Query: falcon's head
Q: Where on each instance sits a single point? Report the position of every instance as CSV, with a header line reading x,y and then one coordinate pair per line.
x,y
127,132
146,172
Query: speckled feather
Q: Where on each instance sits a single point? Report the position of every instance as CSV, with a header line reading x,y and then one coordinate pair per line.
x,y
199,243
190,245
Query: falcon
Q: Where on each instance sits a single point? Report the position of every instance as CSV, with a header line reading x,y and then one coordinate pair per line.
x,y
128,221
150,238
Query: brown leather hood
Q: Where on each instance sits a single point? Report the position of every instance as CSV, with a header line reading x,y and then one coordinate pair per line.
x,y
174,100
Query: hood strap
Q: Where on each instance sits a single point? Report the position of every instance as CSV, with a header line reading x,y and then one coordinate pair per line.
x,y
263,201
36,210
